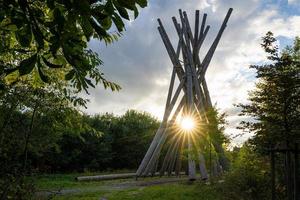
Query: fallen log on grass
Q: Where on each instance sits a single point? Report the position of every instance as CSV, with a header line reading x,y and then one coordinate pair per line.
x,y
105,177
114,176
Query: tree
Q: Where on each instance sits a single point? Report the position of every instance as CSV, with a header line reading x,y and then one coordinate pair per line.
x,y
248,178
217,140
274,106
275,102
52,35
131,137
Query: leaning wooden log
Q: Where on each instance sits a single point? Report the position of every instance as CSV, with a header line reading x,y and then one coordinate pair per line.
x,y
196,32
166,160
179,157
158,136
188,28
222,157
213,47
188,55
173,142
202,167
173,157
157,149
170,50
191,162
151,148
195,102
206,93
203,25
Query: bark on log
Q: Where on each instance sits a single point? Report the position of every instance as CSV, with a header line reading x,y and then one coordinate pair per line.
x,y
105,177
202,167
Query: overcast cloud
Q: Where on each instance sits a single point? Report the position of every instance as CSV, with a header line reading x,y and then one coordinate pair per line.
x,y
140,64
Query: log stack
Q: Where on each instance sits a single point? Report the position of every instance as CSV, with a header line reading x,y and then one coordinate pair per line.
x,y
195,101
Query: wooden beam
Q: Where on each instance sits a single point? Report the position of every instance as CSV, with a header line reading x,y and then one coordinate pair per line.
x,y
179,158
206,93
194,86
191,162
166,159
203,24
157,138
213,47
188,28
161,141
201,40
188,55
171,86
170,50
174,156
202,167
159,133
151,148
196,32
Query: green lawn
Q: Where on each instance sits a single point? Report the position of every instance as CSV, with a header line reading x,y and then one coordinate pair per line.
x,y
177,191
122,189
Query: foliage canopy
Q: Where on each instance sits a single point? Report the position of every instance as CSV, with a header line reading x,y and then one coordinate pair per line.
x,y
274,103
47,36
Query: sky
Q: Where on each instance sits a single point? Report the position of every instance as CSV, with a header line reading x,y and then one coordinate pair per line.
x,y
139,62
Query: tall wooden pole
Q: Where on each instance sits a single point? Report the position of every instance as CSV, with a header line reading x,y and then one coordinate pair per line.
x,y
191,74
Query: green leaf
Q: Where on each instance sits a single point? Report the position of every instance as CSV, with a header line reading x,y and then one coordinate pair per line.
x,y
18,18
106,23
38,38
142,3
109,8
88,81
136,12
24,36
83,6
86,27
54,45
100,31
43,77
2,86
70,75
58,18
50,4
27,65
123,12
118,22
129,4
51,65
8,71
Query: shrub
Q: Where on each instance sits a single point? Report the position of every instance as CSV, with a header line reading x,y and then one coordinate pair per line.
x,y
249,179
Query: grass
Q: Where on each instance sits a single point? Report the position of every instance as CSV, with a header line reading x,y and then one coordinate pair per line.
x,y
61,181
64,181
176,191
105,189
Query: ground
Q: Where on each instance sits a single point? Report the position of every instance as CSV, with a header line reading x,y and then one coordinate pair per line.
x,y
62,187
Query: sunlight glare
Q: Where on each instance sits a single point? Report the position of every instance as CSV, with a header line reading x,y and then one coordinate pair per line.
x,y
187,123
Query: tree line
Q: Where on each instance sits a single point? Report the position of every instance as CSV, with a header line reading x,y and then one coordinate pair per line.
x,y
273,117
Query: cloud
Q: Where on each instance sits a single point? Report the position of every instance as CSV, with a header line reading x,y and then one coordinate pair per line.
x,y
293,2
140,64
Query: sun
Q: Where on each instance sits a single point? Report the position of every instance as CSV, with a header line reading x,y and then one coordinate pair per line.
x,y
187,123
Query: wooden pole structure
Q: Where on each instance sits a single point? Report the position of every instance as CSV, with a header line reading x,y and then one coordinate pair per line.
x,y
195,101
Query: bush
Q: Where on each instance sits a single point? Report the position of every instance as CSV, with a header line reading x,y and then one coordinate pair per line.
x,y
249,179
16,187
